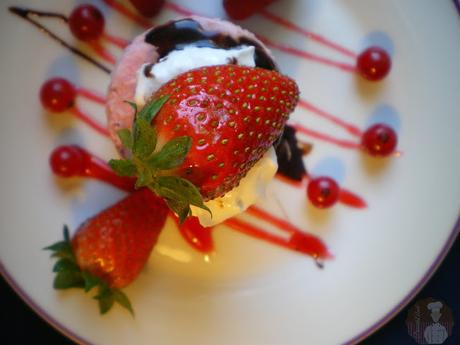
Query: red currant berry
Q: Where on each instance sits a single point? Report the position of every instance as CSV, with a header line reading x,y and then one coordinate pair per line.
x,y
379,140
86,22
323,191
57,95
374,64
67,161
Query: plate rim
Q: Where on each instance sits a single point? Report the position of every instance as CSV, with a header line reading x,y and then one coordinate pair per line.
x,y
61,328
57,325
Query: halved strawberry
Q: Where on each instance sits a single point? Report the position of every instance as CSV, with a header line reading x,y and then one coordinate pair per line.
x,y
242,9
110,249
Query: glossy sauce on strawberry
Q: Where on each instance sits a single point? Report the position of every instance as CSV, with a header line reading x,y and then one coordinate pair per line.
x,y
178,34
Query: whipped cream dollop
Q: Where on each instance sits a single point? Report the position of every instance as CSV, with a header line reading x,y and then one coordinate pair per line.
x,y
151,78
253,186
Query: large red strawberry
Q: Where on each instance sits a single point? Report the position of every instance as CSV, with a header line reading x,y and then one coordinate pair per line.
x,y
148,8
110,249
233,115
242,9
212,125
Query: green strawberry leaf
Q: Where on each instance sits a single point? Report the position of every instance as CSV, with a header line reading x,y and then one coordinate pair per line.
x,y
126,138
90,280
66,234
180,189
123,167
133,105
121,298
151,109
58,247
172,154
65,264
68,279
145,139
182,209
144,178
105,298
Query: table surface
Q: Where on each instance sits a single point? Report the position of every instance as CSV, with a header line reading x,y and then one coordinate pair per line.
x,y
20,323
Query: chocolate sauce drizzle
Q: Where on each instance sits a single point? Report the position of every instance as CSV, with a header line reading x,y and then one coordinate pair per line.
x,y
28,15
179,34
289,155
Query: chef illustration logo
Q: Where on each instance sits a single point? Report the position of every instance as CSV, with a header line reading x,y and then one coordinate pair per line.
x,y
430,321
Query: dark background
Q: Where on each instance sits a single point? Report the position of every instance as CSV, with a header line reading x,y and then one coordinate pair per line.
x,y
21,325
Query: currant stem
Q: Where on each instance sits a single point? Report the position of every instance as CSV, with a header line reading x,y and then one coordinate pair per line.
x,y
89,121
128,13
308,56
102,52
91,95
117,41
310,35
350,128
346,144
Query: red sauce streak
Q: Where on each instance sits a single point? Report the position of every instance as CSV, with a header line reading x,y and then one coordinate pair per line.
x,y
308,34
308,56
81,115
97,168
346,144
91,95
117,41
349,198
122,9
350,128
298,241
102,52
198,236
293,183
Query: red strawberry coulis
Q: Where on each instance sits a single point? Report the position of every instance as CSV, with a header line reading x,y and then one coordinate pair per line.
x,y
66,161
71,161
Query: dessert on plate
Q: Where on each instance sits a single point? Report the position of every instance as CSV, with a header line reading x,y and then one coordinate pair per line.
x,y
195,108
233,113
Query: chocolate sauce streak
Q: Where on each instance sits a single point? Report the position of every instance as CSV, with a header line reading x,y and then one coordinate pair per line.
x,y
182,33
28,15
290,162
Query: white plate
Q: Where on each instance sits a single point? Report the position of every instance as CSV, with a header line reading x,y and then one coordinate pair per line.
x,y
250,292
